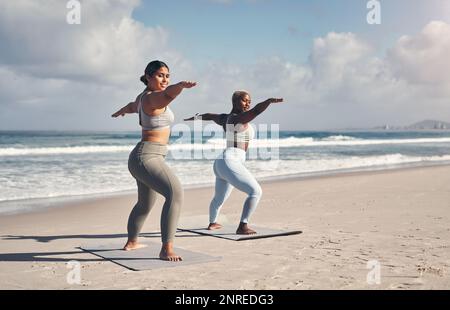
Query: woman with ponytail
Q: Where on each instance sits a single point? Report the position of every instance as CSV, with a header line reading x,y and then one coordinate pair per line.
x,y
146,162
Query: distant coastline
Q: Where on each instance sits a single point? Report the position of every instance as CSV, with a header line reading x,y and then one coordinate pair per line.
x,y
423,125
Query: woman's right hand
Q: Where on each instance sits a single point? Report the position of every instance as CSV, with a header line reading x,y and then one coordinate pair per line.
x,y
274,100
187,84
125,110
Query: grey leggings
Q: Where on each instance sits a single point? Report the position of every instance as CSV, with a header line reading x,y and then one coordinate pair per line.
x,y
146,164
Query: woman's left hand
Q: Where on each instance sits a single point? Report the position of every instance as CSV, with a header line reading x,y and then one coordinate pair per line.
x,y
274,100
192,118
121,112
187,84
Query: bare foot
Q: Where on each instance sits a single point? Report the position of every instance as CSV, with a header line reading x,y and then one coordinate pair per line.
x,y
213,226
243,229
133,245
167,253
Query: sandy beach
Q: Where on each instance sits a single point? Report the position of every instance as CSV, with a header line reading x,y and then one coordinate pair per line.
x,y
399,218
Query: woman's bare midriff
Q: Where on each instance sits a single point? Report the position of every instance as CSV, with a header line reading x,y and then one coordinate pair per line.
x,y
156,136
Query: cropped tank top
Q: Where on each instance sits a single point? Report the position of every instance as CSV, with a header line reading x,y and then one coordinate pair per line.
x,y
157,122
241,134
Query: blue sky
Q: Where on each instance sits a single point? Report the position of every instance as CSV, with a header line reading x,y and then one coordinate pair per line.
x,y
333,69
240,30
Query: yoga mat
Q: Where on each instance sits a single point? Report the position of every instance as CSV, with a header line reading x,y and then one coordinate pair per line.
x,y
229,232
145,258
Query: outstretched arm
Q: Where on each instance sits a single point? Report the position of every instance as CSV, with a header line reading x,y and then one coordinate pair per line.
x,y
160,99
248,116
219,119
129,108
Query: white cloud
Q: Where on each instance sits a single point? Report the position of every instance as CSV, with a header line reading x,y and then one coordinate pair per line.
x,y
333,56
423,58
344,83
59,76
108,47
56,75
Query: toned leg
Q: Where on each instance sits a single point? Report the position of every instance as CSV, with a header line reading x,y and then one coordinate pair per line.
x,y
146,200
222,192
160,178
239,176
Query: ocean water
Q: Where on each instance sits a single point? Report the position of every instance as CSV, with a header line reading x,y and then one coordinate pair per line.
x,y
42,165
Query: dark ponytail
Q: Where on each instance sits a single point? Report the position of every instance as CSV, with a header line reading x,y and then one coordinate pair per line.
x,y
151,68
144,80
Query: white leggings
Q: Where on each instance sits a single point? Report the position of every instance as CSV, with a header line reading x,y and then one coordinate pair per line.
x,y
230,171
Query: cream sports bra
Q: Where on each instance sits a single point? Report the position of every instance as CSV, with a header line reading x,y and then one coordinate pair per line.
x,y
156,122
240,134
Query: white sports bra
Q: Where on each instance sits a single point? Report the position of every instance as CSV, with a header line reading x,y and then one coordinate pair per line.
x,y
242,133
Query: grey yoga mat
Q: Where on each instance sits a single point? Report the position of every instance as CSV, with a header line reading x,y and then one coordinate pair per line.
x,y
145,258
